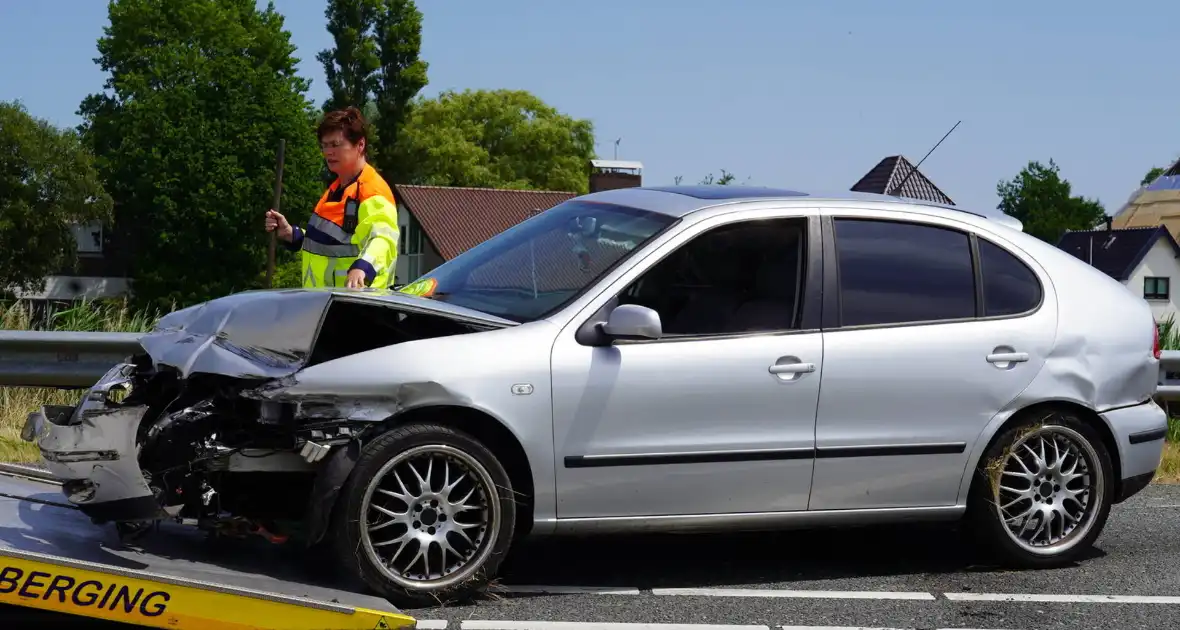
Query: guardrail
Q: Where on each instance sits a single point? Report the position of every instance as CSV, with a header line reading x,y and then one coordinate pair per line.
x,y
77,360
68,360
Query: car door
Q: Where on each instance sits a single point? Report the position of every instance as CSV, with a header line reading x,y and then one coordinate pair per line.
x,y
718,415
933,331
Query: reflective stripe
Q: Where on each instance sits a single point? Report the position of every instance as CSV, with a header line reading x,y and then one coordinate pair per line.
x,y
309,278
382,230
346,250
329,228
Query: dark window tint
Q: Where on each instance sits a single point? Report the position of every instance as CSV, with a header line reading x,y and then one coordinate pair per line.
x,y
738,278
893,272
1009,286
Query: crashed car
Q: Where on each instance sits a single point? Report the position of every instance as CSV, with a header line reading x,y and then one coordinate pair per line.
x,y
646,359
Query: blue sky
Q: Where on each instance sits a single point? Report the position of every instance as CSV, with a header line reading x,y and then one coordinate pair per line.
x,y
783,93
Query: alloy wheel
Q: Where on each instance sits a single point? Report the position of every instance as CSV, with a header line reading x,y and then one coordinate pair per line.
x,y
429,517
1049,489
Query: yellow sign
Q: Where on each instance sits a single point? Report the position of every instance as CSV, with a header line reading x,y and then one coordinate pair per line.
x,y
98,591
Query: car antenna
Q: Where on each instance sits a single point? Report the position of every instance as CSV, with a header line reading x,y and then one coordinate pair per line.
x,y
915,169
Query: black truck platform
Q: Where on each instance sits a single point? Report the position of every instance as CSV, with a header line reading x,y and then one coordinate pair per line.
x,y
53,558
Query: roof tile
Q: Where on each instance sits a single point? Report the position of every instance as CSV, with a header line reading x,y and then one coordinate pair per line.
x,y
890,172
456,219
1113,252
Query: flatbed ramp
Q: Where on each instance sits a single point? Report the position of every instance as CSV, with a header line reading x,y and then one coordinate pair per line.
x,y
53,558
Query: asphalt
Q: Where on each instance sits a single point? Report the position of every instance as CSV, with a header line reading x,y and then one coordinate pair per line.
x,y
915,577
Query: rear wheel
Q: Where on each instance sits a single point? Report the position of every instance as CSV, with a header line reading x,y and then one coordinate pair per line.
x,y
1043,491
427,516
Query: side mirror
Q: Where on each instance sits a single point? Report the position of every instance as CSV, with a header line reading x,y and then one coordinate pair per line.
x,y
632,321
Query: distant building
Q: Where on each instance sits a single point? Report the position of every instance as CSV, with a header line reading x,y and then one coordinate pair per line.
x,y
1144,259
896,176
1157,203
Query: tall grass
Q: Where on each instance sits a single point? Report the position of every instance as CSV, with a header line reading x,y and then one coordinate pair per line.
x,y
17,402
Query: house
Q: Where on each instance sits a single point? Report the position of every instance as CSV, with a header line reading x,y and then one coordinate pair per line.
x,y
1145,259
437,223
99,272
896,176
1157,203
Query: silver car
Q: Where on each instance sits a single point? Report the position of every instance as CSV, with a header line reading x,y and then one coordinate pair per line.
x,y
645,359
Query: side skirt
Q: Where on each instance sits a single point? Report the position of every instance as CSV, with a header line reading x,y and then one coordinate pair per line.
x,y
748,521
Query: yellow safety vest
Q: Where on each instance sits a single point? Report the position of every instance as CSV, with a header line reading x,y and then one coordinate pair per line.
x,y
354,227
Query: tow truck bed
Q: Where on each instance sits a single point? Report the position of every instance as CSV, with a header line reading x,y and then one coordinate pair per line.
x,y
53,558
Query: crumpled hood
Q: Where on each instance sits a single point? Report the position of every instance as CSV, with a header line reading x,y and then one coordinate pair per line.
x,y
268,334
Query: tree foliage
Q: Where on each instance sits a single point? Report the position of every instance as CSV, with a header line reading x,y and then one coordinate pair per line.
x,y
494,138
350,66
1152,175
198,94
726,179
47,182
403,75
374,65
1043,201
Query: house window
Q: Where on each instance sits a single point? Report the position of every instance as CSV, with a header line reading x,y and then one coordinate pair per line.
x,y
1156,288
413,249
88,237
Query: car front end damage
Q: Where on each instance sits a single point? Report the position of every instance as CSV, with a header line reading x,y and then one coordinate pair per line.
x,y
201,426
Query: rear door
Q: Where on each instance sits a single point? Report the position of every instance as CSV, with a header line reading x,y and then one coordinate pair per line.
x,y
929,331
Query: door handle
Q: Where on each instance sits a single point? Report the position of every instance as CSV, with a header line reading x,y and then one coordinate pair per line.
x,y
1007,357
792,368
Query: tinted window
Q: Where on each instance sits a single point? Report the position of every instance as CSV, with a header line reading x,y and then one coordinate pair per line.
x,y
1009,287
737,278
892,272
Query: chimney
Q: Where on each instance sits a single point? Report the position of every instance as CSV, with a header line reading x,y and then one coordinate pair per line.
x,y
612,174
1109,220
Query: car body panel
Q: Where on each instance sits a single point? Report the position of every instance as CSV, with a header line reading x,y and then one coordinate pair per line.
x,y
674,426
880,443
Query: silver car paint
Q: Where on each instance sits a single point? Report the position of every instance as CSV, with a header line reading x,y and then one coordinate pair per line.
x,y
1089,344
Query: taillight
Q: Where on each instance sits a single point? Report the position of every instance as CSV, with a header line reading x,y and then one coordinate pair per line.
x,y
1155,343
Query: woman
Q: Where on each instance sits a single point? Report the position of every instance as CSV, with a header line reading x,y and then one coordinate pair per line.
x,y
351,239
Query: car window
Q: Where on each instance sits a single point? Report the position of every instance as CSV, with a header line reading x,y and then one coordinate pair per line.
x,y
1009,286
894,272
737,278
537,266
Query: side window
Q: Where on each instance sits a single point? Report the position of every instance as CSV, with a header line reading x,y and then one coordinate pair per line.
x,y
736,278
1009,286
893,272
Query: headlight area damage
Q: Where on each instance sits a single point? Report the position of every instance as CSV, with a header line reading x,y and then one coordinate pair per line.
x,y
207,432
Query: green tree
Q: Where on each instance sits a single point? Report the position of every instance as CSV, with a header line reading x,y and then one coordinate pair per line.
x,y
403,75
350,66
199,93
1042,200
1151,175
494,138
47,181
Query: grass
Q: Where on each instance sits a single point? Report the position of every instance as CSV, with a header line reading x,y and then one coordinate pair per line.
x,y
17,402
116,316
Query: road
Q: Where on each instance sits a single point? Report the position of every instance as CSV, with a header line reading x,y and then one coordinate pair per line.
x,y
877,577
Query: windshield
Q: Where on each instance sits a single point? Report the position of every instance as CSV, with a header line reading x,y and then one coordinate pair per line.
x,y
537,266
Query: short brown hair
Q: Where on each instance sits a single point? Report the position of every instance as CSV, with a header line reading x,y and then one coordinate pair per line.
x,y
348,121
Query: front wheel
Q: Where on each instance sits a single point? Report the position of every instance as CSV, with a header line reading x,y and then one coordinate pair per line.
x,y
426,517
1043,491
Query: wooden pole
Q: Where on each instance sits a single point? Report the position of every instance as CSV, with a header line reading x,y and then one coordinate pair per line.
x,y
270,255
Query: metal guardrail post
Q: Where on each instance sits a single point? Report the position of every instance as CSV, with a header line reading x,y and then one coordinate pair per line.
x,y
69,360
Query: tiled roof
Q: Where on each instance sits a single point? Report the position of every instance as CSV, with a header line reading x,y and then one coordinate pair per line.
x,y
456,219
890,172
1114,252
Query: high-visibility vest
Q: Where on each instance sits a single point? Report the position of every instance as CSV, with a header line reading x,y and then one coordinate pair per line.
x,y
351,228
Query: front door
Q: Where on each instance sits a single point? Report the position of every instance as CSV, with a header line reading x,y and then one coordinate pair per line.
x,y
718,415
920,358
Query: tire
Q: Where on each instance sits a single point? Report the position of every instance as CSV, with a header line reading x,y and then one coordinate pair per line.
x,y
409,582
1077,518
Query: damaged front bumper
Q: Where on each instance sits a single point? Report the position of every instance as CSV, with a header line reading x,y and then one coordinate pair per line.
x,y
91,447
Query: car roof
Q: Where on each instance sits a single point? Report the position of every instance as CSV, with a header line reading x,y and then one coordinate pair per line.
x,y
679,201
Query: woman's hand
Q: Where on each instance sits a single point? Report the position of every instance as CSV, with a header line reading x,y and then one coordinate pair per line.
x,y
356,279
277,221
